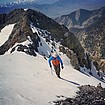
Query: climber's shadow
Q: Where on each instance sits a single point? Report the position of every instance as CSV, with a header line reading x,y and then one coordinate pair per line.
x,y
69,81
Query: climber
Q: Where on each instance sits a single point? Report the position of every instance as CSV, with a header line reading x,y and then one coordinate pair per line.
x,y
56,61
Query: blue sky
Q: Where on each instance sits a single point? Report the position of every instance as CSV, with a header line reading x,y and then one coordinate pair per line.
x,y
38,1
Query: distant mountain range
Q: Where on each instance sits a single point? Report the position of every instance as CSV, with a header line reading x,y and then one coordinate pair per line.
x,y
56,9
76,19
81,18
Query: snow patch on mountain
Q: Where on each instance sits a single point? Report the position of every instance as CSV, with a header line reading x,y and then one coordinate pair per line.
x,y
5,33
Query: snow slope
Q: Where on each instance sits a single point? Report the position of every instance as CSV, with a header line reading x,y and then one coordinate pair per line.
x,y
27,80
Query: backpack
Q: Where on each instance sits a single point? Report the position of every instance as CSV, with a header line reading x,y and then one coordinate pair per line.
x,y
55,62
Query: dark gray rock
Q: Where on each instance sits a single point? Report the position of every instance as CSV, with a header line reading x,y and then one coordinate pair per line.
x,y
88,95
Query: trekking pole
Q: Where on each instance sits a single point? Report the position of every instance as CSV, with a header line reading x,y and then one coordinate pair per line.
x,y
51,71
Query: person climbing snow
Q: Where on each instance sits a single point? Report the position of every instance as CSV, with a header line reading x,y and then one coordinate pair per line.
x,y
56,61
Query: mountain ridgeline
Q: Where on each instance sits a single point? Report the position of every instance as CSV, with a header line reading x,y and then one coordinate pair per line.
x,y
81,18
22,31
75,19
89,28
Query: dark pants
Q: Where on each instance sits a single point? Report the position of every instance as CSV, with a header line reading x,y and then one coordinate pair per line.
x,y
57,69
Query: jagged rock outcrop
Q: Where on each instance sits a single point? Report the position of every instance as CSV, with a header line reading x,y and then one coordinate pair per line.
x,y
73,57
87,95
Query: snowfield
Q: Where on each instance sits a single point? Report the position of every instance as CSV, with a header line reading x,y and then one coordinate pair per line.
x,y
27,80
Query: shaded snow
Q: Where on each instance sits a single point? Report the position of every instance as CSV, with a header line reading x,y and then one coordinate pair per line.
x,y
34,29
5,32
44,49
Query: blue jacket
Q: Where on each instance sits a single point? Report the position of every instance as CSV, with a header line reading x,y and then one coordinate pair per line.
x,y
52,58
